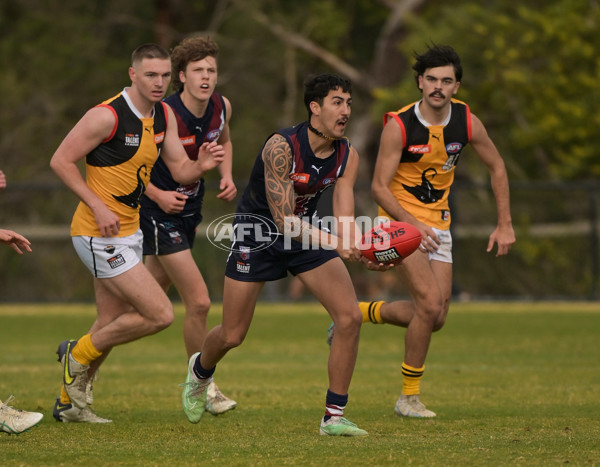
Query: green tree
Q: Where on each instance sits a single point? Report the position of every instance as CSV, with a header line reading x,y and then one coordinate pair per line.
x,y
530,72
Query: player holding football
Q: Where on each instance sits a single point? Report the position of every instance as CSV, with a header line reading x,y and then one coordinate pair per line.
x,y
419,148
170,212
291,171
120,140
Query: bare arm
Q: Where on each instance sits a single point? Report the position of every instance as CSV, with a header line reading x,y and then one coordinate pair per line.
x,y
183,169
504,234
343,210
388,159
277,157
93,128
173,202
226,185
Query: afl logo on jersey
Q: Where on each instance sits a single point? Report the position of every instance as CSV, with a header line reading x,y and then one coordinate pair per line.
x,y
213,135
329,181
453,148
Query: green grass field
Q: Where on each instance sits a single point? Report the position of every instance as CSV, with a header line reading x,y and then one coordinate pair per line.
x,y
512,384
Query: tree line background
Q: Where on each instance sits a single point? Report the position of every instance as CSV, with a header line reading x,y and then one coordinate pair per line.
x,y
530,74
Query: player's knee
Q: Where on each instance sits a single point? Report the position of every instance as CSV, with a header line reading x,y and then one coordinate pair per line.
x,y
199,306
441,317
432,311
349,322
163,318
232,340
439,323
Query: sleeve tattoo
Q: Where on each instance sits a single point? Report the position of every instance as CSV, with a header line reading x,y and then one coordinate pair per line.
x,y
277,158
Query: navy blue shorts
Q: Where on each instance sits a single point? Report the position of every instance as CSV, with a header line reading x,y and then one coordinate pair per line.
x,y
165,234
247,262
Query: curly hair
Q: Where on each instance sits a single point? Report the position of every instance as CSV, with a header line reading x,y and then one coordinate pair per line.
x,y
189,50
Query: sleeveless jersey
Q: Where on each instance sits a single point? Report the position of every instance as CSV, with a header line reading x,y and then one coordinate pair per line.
x,y
310,175
193,132
429,155
119,168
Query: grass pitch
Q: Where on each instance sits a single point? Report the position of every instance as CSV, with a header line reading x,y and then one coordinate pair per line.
x,y
512,384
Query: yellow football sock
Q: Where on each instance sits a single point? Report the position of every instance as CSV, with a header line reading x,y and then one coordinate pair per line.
x,y
371,311
84,351
411,379
64,397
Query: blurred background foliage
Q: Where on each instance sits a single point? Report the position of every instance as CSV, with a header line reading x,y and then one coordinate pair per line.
x,y
530,74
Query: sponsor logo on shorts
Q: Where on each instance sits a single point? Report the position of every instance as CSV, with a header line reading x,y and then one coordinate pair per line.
x,y
245,253
176,238
116,261
110,249
243,267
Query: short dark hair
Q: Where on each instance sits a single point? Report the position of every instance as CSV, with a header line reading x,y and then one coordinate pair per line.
x,y
189,50
435,56
148,51
317,87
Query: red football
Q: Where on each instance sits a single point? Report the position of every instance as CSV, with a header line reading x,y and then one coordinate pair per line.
x,y
390,242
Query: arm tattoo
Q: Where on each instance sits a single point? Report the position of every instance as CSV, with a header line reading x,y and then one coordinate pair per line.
x,y
277,157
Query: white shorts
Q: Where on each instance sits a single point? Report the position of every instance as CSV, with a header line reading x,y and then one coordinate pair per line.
x,y
444,251
109,256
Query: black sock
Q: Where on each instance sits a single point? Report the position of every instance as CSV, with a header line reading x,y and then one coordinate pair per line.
x,y
202,372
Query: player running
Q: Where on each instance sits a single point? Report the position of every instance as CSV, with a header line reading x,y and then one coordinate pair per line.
x,y
291,171
170,211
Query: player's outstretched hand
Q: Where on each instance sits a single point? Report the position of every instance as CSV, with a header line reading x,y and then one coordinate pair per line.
x,y
15,241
